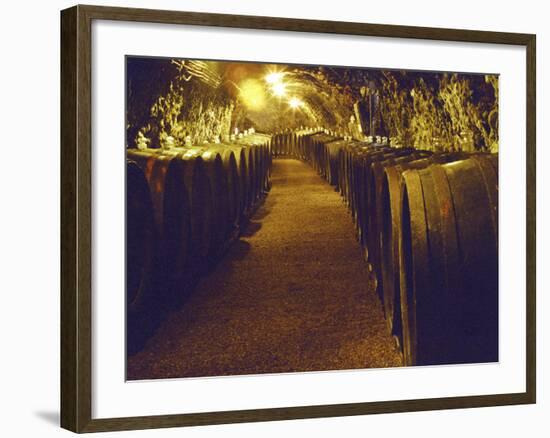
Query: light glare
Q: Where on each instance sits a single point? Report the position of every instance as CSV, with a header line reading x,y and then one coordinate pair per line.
x,y
279,89
252,94
274,78
295,103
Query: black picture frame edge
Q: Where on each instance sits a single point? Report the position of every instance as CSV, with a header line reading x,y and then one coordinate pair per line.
x,y
76,225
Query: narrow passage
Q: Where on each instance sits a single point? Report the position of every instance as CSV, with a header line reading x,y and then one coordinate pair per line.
x,y
293,294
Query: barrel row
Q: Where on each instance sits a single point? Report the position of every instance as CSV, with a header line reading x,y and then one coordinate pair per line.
x,y
443,271
293,144
428,226
184,207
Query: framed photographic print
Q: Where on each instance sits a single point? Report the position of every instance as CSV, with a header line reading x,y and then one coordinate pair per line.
x,y
268,218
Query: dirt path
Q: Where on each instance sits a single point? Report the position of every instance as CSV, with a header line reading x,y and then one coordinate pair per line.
x,y
293,294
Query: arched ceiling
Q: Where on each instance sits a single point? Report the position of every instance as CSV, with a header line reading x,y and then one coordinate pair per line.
x,y
196,101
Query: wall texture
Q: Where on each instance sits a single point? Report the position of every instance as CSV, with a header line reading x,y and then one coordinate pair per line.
x,y
198,101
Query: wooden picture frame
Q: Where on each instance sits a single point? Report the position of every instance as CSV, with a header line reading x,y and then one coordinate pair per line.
x,y
76,217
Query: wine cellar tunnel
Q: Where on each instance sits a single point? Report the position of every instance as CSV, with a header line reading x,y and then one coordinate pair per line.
x,y
301,218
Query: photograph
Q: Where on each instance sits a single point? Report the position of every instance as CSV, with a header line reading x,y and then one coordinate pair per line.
x,y
291,218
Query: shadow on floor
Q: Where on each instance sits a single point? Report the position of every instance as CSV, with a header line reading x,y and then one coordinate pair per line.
x,y
180,293
50,417
251,229
264,211
239,249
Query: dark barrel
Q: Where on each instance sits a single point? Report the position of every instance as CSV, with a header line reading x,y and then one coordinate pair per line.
x,y
363,158
142,246
215,171
250,177
258,162
164,264
333,162
172,215
141,236
259,167
233,185
243,175
389,210
277,144
199,193
316,151
449,262
372,216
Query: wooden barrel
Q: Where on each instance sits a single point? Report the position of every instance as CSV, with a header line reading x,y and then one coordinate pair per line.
x,y
346,170
325,163
321,153
265,183
243,177
293,145
200,195
301,139
359,194
172,214
311,149
325,149
258,171
333,162
242,168
250,177
260,146
282,144
344,173
449,262
275,144
281,138
290,144
301,145
373,214
269,164
342,170
233,187
266,167
254,170
295,140
359,159
355,170
389,209
221,200
141,237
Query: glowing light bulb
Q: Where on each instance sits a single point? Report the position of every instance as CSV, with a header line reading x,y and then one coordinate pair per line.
x,y
274,77
295,103
279,89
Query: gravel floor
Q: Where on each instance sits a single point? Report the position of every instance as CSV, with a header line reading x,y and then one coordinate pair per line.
x,y
293,294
